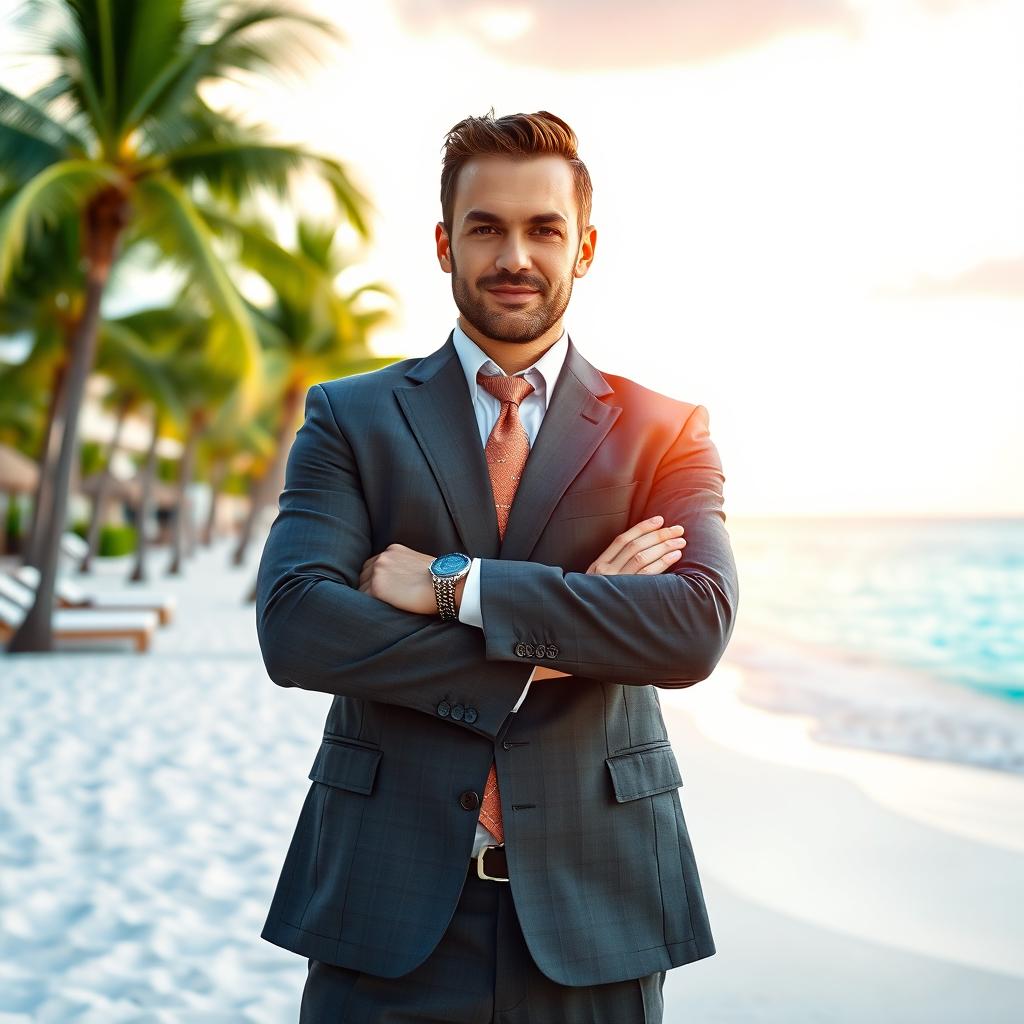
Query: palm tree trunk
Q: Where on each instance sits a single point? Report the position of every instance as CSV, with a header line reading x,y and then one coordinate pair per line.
x,y
145,505
99,506
47,465
268,487
184,507
104,220
217,475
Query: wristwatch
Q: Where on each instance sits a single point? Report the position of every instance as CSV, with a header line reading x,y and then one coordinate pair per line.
x,y
445,573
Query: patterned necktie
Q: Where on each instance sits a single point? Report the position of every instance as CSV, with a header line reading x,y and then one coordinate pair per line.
x,y
506,452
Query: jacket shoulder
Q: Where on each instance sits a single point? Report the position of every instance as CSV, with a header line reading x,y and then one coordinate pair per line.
x,y
384,377
647,402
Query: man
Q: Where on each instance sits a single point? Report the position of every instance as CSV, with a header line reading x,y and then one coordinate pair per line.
x,y
481,553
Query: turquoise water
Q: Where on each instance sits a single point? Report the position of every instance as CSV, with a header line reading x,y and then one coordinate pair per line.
x,y
942,595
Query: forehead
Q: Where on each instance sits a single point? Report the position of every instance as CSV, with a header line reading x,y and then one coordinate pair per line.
x,y
515,188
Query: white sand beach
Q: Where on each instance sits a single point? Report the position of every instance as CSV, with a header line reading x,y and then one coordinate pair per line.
x,y
146,802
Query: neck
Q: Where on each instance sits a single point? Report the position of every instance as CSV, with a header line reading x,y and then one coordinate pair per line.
x,y
513,356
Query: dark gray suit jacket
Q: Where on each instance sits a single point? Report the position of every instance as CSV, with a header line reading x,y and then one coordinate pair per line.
x,y
603,873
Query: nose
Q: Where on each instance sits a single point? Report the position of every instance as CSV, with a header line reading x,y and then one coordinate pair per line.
x,y
513,256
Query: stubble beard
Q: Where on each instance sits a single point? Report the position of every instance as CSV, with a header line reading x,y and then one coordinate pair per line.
x,y
516,325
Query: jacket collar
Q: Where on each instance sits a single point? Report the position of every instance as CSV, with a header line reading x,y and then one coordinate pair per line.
x,y
438,408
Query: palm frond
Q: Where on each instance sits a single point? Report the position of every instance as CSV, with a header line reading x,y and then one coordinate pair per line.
x,y
226,50
293,276
39,131
236,168
134,365
55,192
233,345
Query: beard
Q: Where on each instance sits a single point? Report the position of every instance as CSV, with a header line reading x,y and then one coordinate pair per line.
x,y
521,325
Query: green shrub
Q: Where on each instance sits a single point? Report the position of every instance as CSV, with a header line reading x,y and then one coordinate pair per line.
x,y
117,540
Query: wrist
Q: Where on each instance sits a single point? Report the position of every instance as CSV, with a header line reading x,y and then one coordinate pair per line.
x,y
460,586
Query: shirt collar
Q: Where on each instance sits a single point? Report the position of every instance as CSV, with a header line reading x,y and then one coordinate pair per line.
x,y
542,374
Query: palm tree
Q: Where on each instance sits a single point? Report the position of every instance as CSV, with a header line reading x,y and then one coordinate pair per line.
x,y
43,304
136,367
121,137
313,330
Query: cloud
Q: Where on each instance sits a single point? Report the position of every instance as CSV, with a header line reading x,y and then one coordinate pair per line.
x,y
598,35
1002,279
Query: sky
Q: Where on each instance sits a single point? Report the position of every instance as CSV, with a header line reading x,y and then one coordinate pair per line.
x,y
809,216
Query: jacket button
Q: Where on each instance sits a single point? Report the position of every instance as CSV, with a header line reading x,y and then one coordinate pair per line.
x,y
507,744
520,650
540,651
552,651
469,800
444,708
529,649
471,716
457,712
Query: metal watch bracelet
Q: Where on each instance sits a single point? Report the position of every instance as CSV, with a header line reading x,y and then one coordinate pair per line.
x,y
444,591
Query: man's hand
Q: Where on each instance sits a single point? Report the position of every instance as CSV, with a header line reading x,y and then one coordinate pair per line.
x,y
401,577
646,549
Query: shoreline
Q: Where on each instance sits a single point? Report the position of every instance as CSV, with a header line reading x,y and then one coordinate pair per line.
x,y
867,703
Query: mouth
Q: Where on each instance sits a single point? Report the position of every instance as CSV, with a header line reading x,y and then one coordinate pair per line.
x,y
510,294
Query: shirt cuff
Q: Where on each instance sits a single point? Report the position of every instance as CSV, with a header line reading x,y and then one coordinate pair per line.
x,y
469,606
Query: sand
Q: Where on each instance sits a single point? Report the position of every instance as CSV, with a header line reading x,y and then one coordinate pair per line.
x,y
146,802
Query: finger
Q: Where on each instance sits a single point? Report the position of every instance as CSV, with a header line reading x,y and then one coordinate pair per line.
x,y
629,544
651,560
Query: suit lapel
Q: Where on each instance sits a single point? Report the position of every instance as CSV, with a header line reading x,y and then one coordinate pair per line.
x,y
440,415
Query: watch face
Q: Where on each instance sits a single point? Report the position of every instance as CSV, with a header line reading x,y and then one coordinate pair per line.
x,y
450,565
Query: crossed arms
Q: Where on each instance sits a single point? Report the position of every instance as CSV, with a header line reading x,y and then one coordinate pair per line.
x,y
319,631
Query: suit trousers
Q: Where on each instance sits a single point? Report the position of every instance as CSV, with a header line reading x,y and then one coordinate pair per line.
x,y
481,972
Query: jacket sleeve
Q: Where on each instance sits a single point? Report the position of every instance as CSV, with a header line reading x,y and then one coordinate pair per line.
x,y
318,631
670,629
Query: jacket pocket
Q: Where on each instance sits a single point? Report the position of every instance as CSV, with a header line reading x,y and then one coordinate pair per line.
x,y
595,501
644,772
346,765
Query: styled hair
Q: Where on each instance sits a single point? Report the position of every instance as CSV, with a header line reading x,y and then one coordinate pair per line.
x,y
516,136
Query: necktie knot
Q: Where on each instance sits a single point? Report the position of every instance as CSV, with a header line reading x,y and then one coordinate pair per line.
x,y
505,389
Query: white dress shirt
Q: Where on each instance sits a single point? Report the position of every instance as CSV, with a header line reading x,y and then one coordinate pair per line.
x,y
542,375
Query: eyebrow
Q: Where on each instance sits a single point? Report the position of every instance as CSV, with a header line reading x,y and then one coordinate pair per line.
x,y
484,217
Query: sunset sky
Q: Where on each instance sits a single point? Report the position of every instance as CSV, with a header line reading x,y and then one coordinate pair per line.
x,y
809,213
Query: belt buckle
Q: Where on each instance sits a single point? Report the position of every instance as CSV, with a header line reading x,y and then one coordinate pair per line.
x,y
479,858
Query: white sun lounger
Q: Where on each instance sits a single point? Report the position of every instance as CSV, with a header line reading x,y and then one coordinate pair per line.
x,y
71,595
73,546
85,624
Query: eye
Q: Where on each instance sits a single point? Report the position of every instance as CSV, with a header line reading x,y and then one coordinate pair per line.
x,y
483,227
550,230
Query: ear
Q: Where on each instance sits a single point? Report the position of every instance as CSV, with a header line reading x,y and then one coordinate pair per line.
x,y
443,245
585,254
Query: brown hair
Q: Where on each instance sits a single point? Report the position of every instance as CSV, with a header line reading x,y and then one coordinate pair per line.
x,y
514,135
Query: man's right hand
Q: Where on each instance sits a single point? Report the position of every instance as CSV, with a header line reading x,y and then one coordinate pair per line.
x,y
646,549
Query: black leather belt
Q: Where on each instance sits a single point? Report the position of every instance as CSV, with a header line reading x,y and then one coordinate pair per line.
x,y
490,863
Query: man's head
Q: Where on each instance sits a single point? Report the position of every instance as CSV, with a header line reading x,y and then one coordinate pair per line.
x,y
515,203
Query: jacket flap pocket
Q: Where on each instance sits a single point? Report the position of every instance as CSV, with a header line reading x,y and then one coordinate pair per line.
x,y
346,765
595,501
644,772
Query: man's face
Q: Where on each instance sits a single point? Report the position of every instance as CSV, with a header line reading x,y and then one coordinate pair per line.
x,y
514,247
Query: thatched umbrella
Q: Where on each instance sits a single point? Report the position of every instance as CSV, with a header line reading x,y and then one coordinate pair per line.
x,y
164,495
18,473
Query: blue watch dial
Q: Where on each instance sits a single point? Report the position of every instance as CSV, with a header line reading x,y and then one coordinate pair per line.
x,y
451,564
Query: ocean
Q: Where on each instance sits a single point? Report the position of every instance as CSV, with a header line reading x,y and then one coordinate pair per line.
x,y
899,634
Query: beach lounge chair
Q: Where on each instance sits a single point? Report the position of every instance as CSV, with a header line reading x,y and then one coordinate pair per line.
x,y
71,595
76,624
73,546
